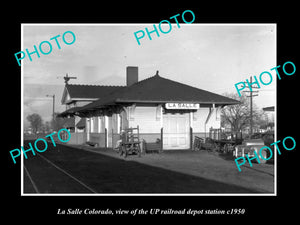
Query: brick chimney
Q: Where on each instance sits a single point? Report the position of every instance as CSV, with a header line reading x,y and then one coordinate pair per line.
x,y
132,75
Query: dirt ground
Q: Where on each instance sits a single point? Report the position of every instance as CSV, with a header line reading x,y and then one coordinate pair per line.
x,y
208,165
84,169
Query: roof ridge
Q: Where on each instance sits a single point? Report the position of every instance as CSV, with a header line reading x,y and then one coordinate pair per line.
x,y
179,83
96,85
148,78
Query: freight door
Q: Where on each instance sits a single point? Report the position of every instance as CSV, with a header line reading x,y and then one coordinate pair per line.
x,y
176,131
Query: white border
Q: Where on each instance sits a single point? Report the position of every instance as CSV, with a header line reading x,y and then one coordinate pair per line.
x,y
22,114
141,194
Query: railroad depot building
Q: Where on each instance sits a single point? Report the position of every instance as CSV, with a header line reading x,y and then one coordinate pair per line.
x,y
165,111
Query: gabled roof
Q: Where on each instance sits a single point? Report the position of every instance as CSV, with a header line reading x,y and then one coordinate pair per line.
x,y
69,122
157,89
86,92
81,123
89,91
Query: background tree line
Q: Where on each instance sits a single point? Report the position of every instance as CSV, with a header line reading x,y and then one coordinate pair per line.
x,y
237,117
37,124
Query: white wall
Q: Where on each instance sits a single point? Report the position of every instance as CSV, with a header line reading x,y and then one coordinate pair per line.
x,y
146,118
200,116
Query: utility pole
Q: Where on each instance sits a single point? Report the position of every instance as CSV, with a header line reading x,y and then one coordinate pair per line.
x,y
53,107
251,104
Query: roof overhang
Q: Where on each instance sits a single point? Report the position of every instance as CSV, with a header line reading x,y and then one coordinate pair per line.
x,y
88,110
69,112
70,100
177,101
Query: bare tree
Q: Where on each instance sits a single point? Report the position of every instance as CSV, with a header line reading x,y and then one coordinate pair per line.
x,y
238,116
35,122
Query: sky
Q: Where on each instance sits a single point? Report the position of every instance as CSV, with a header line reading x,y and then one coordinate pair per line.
x,y
213,57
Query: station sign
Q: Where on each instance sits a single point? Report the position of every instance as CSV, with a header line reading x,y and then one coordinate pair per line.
x,y
182,105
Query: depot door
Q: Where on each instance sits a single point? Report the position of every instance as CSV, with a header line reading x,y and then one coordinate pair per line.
x,y
176,131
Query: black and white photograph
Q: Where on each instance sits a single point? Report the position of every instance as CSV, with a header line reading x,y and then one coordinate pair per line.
x,y
149,112
161,116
